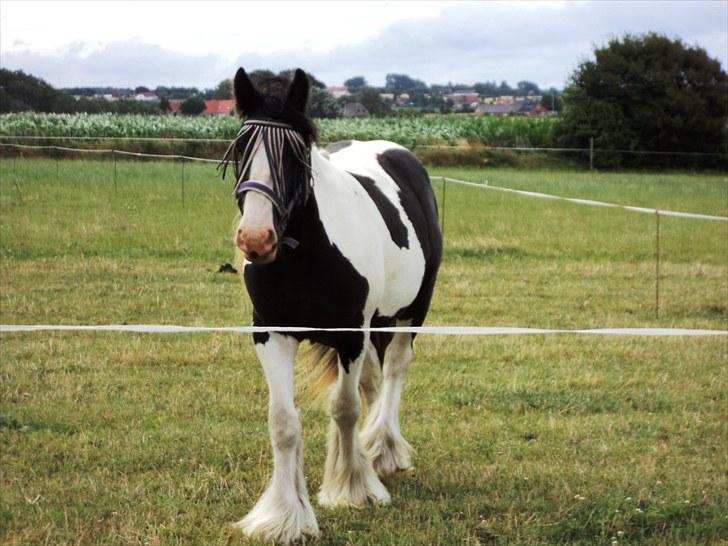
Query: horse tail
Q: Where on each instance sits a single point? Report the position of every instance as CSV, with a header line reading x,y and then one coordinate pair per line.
x,y
318,370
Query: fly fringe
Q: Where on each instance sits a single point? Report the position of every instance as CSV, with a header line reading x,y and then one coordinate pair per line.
x,y
273,137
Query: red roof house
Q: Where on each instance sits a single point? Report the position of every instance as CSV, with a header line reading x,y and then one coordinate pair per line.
x,y
219,107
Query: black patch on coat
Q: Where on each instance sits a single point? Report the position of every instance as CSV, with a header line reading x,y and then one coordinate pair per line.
x,y
313,285
388,212
418,201
381,340
336,146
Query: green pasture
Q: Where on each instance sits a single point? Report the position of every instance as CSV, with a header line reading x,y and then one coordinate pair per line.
x,y
127,439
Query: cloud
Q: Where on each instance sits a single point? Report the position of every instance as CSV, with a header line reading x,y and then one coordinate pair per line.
x,y
466,42
120,63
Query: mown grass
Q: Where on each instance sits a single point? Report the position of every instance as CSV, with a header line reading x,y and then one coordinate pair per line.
x,y
145,439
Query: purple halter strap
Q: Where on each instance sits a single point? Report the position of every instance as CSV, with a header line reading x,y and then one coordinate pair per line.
x,y
259,187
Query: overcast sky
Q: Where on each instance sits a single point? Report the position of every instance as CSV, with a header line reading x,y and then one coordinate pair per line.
x,y
200,43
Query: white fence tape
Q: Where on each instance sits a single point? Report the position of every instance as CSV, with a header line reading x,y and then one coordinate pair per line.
x,y
434,330
589,202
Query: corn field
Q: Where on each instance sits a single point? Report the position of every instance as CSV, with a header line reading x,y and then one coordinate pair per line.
x,y
408,131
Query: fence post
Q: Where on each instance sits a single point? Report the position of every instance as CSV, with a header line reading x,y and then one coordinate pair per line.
x,y
113,154
182,180
657,264
591,153
444,193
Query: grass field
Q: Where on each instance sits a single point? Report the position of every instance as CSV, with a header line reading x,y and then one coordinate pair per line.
x,y
151,439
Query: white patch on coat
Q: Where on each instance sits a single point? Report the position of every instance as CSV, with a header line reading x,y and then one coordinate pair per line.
x,y
258,210
354,224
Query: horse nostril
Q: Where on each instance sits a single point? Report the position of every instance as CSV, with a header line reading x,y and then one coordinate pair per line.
x,y
271,236
252,254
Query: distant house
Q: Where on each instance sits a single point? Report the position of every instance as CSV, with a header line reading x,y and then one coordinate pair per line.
x,y
499,110
355,110
514,108
463,97
174,106
403,99
537,111
146,96
218,107
337,91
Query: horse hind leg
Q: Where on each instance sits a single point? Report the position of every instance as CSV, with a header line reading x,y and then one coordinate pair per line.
x,y
283,513
370,382
381,435
349,478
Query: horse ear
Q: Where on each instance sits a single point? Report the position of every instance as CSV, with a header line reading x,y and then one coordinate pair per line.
x,y
247,98
298,91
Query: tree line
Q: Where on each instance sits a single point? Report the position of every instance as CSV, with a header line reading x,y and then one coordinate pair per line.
x,y
20,92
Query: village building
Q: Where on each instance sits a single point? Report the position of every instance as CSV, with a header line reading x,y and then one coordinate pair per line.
x,y
224,107
355,110
463,97
338,91
515,108
146,96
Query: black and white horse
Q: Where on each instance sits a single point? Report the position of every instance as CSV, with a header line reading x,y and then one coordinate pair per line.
x,y
345,237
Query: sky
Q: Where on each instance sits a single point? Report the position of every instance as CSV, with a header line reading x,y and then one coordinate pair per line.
x,y
192,43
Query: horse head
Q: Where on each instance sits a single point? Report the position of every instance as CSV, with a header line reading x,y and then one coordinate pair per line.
x,y
271,156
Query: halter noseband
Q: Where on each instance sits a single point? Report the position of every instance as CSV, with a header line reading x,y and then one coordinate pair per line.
x,y
259,187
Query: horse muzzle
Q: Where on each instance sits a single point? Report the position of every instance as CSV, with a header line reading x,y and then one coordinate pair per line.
x,y
259,246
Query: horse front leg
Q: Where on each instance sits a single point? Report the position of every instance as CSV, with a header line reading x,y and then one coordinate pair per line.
x,y
284,512
349,477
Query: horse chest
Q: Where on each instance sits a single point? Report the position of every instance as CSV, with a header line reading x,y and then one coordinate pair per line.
x,y
320,291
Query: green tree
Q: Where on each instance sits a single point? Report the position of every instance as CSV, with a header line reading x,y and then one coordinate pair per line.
x,y
224,90
164,105
646,92
355,84
487,89
551,101
372,101
192,106
323,105
402,83
525,87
